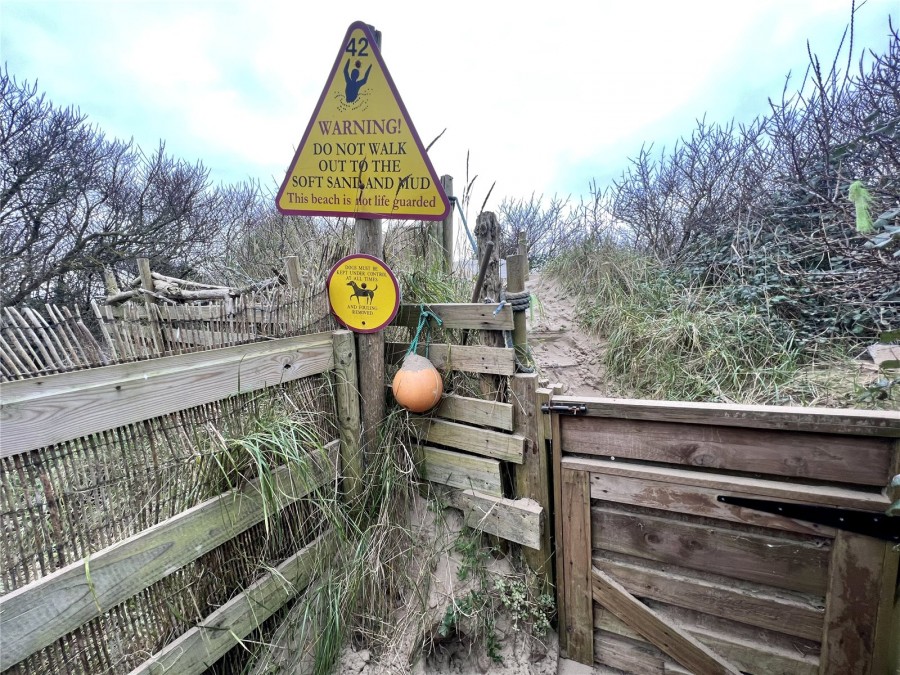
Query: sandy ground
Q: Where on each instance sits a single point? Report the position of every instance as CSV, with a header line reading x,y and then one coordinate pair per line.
x,y
565,355
563,352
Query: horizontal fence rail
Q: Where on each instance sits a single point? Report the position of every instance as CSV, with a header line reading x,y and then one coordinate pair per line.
x,y
34,616
42,411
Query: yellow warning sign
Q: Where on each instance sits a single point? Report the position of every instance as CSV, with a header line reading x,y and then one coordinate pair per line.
x,y
363,293
361,155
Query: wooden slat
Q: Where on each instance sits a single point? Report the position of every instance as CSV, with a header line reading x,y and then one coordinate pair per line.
x,y
825,495
793,614
516,520
484,442
532,478
71,405
346,403
577,584
784,453
200,647
466,359
476,411
861,584
33,616
762,654
463,471
669,638
821,420
558,532
214,312
476,316
797,563
634,657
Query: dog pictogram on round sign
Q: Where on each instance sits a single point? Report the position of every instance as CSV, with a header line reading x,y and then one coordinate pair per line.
x,y
363,293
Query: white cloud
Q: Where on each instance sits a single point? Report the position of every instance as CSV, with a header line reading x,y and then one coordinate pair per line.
x,y
535,91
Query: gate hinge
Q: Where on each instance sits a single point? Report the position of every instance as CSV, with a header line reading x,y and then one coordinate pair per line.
x,y
560,409
877,525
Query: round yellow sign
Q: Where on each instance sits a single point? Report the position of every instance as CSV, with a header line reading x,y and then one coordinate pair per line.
x,y
363,293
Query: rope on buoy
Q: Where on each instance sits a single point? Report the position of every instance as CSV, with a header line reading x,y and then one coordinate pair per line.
x,y
424,315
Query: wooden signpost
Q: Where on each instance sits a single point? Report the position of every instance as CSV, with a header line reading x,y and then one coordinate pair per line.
x,y
361,157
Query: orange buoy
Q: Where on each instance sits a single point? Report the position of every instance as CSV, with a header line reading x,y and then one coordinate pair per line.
x,y
417,385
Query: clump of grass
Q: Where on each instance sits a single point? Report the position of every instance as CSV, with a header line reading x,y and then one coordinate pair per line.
x,y
668,338
365,572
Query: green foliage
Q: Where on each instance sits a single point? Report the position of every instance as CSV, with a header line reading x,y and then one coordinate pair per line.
x,y
861,199
671,336
490,594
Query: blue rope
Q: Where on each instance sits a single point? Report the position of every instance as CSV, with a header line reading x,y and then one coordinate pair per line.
x,y
424,315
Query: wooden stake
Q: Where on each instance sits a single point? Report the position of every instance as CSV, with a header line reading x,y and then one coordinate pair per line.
x,y
515,283
447,230
487,230
347,409
370,347
532,477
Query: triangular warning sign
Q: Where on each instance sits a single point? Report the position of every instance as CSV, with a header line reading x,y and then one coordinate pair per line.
x,y
361,155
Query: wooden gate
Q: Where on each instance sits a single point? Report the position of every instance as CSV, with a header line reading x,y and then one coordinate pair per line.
x,y
657,573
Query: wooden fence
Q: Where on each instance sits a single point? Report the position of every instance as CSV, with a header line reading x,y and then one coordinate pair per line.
x,y
659,574
126,546
106,481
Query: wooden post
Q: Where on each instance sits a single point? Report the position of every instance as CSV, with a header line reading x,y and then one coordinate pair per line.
x,y
487,230
292,270
532,477
143,265
576,554
346,399
369,240
515,283
447,230
523,250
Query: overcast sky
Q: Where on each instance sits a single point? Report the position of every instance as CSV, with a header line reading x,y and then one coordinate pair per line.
x,y
545,95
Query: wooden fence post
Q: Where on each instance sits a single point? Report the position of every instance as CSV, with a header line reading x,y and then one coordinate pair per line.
x,y
523,250
532,478
447,229
515,283
292,270
487,229
370,361
346,399
143,265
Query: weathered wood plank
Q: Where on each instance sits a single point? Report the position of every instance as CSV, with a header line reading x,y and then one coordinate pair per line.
x,y
861,584
200,647
635,657
463,358
346,399
794,418
532,477
793,614
476,411
33,616
214,312
826,495
476,315
692,500
558,534
516,520
576,527
35,416
784,453
484,442
462,471
668,637
756,654
798,563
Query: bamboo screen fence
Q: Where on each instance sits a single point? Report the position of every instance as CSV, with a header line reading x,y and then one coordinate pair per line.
x,y
61,503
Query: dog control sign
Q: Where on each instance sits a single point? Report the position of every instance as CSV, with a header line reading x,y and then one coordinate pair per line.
x,y
363,293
